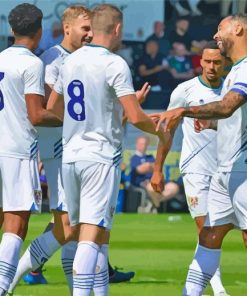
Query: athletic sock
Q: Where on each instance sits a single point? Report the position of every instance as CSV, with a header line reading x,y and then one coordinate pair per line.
x,y
67,258
38,252
201,270
216,282
49,227
9,256
101,279
84,268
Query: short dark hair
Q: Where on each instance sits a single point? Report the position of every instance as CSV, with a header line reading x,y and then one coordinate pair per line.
x,y
25,19
211,45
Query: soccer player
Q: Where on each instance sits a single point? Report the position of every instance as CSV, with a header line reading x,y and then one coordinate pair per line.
x,y
77,31
93,87
227,204
21,98
198,156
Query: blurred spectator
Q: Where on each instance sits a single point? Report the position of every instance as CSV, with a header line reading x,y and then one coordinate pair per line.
x,y
160,38
126,52
154,68
50,37
141,172
180,34
225,6
180,64
196,57
183,11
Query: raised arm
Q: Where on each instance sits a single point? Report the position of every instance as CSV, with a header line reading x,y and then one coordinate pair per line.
x,y
216,110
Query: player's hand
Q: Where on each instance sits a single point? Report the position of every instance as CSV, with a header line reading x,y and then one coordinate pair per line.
x,y
142,93
158,182
167,120
201,124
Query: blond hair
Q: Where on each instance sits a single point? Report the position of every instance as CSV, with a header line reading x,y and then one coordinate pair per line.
x,y
105,17
71,13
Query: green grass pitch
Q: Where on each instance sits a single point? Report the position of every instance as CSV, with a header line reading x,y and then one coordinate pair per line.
x,y
158,251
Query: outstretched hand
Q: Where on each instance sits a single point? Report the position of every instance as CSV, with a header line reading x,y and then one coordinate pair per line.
x,y
167,120
142,93
158,182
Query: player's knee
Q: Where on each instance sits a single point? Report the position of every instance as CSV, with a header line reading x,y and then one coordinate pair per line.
x,y
17,223
209,239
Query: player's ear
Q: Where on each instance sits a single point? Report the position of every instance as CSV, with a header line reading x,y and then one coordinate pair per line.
x,y
118,29
66,29
239,29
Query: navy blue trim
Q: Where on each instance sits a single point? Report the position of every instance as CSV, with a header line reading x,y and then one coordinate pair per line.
x,y
241,92
65,49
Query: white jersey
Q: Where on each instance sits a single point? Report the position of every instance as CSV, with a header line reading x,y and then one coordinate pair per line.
x,y
91,80
50,138
232,131
21,73
198,149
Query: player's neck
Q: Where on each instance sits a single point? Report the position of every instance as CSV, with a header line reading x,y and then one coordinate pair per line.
x,y
102,41
211,84
25,42
238,52
67,46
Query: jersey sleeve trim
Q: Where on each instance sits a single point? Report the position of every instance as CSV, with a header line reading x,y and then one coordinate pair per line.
x,y
240,88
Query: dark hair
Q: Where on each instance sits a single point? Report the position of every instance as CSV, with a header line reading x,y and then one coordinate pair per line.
x,y
211,45
25,19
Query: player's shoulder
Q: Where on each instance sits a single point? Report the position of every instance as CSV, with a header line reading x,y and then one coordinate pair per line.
x,y
188,85
52,54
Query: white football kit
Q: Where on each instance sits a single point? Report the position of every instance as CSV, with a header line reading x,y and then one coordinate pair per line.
x,y
50,138
198,156
21,73
91,81
227,194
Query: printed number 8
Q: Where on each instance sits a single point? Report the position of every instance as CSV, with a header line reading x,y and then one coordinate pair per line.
x,y
76,106
1,94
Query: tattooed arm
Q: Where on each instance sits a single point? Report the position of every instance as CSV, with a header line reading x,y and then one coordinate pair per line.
x,y
216,110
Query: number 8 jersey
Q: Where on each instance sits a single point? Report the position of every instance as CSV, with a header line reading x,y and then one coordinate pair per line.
x,y
21,73
91,80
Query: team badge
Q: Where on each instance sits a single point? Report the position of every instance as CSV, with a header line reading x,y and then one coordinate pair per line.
x,y
201,101
192,201
38,199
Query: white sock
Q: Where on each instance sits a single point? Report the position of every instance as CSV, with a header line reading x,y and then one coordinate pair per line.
x,y
9,256
67,258
216,282
38,252
84,268
201,270
101,280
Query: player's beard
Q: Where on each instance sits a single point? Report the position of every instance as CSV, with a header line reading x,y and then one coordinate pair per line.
x,y
226,47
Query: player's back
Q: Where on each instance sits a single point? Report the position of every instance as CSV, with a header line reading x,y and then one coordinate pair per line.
x,y
93,114
18,66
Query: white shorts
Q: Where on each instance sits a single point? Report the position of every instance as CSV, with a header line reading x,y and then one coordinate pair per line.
x,y
91,191
196,188
20,185
53,172
227,200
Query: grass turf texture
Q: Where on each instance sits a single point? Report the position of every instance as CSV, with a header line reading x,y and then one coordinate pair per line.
x,y
158,251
